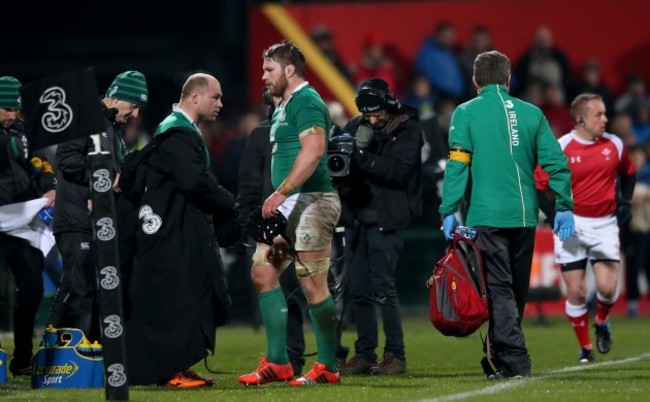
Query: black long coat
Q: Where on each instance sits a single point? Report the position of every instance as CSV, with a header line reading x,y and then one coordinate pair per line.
x,y
177,289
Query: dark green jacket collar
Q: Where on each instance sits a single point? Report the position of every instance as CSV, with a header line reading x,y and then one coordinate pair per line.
x,y
179,121
493,88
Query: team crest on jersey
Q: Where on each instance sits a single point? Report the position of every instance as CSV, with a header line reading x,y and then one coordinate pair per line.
x,y
606,153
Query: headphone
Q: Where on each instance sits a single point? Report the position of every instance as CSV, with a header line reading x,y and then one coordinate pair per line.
x,y
266,96
390,103
268,100
581,122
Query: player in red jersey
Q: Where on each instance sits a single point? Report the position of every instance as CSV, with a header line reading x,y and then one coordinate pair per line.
x,y
596,160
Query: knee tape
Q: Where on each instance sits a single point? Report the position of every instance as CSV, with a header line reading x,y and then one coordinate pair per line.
x,y
280,258
259,257
310,268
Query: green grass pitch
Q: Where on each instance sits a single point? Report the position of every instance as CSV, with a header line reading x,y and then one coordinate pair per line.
x,y
439,369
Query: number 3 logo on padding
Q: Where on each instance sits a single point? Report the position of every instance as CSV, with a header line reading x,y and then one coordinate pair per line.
x,y
151,222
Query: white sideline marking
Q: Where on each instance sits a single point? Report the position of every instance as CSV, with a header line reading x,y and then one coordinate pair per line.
x,y
507,384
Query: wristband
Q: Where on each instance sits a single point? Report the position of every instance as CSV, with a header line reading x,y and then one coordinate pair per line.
x,y
285,188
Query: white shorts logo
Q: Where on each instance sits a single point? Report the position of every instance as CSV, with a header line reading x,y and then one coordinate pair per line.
x,y
110,279
107,231
151,222
114,327
117,377
103,182
59,114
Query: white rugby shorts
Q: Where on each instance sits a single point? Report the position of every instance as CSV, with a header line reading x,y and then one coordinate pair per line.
x,y
594,239
311,219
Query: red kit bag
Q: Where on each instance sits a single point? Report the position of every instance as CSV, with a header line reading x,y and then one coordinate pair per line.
x,y
457,291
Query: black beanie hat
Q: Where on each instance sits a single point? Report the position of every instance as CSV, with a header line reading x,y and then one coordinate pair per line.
x,y
372,95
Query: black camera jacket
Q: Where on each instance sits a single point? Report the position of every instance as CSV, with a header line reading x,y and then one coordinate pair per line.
x,y
386,176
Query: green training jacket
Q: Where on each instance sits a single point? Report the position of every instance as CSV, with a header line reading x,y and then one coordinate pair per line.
x,y
507,139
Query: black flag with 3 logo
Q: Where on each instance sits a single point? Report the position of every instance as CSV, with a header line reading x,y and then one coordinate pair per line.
x,y
61,108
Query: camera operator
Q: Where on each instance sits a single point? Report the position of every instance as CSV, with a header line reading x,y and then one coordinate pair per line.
x,y
381,196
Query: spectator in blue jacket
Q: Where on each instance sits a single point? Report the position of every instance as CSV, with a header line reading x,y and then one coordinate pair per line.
x,y
437,61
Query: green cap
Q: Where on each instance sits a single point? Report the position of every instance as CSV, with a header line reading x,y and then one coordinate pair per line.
x,y
10,93
129,86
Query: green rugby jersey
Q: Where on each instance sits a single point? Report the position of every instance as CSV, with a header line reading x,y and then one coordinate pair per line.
x,y
508,138
303,110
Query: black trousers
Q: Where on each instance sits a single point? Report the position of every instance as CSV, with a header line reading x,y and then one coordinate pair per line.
x,y
372,257
26,264
508,255
638,262
75,304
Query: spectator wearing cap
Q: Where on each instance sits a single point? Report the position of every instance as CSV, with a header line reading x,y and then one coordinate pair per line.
x,y
641,122
591,82
19,183
479,42
75,304
323,38
542,61
381,196
556,110
633,96
375,62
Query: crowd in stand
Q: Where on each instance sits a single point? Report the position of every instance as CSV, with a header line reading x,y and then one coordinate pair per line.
x,y
439,78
